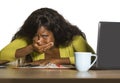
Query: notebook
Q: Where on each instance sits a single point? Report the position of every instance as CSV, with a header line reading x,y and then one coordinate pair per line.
x,y
108,45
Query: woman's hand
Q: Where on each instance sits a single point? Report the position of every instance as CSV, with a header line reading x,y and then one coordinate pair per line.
x,y
43,62
41,47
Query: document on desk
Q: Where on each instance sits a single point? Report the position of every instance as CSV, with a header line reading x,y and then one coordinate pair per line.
x,y
49,65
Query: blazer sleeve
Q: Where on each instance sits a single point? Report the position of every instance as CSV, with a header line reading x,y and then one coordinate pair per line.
x,y
8,52
81,45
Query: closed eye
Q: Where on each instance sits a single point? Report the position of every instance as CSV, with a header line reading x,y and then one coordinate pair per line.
x,y
44,36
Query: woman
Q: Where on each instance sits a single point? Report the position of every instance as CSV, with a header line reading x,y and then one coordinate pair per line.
x,y
46,37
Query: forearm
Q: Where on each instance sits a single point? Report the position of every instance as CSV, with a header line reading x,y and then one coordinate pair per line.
x,y
54,61
23,51
62,61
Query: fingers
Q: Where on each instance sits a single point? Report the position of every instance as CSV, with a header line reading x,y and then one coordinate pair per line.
x,y
42,48
39,48
38,63
45,62
48,46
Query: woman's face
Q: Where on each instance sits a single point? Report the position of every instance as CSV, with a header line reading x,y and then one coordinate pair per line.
x,y
44,36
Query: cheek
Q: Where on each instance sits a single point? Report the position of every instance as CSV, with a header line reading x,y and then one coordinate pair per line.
x,y
51,39
35,38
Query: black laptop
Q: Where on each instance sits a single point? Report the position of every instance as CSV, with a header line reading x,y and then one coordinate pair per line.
x,y
108,46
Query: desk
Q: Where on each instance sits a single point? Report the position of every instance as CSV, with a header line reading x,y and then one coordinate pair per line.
x,y
16,75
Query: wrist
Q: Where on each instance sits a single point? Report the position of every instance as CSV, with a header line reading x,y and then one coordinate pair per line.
x,y
61,61
31,48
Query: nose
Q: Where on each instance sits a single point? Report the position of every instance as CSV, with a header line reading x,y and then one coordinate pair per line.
x,y
41,41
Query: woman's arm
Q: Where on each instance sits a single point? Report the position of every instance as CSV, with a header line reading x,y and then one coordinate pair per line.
x,y
54,61
24,51
35,46
81,45
8,52
30,48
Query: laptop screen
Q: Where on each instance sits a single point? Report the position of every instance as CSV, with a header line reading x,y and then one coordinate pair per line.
x,y
108,45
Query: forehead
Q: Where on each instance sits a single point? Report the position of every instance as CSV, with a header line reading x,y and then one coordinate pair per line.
x,y
42,29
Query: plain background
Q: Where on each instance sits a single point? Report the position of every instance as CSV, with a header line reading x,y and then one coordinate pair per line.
x,y
86,14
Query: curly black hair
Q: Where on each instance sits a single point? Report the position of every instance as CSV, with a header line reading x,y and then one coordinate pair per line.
x,y
62,30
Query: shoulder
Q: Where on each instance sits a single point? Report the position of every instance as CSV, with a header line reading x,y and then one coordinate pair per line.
x,y
19,41
78,38
79,44
78,41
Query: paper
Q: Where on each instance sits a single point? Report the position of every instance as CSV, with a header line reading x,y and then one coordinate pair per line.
x,y
3,66
49,65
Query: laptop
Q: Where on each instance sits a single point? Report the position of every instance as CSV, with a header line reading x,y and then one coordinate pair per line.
x,y
108,45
